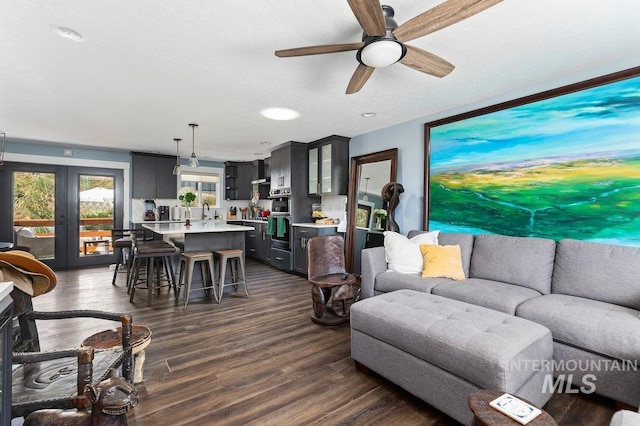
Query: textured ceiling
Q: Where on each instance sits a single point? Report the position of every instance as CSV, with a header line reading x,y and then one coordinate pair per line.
x,y
148,68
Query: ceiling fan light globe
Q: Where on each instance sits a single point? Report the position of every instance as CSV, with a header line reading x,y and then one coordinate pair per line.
x,y
381,53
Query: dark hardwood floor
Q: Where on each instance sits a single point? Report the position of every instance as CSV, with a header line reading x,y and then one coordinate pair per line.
x,y
254,361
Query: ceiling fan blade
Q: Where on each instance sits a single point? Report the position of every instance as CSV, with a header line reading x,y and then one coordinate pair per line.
x,y
441,16
359,78
318,50
426,62
369,15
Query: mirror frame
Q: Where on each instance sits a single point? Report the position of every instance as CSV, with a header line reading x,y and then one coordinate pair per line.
x,y
352,197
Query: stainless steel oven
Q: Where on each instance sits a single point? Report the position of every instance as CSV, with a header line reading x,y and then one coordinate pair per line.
x,y
281,238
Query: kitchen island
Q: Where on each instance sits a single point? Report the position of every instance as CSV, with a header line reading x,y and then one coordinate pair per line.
x,y
204,235
201,235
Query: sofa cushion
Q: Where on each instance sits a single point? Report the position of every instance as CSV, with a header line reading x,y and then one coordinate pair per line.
x,y
403,254
391,281
442,261
524,261
490,294
598,271
478,344
592,325
465,241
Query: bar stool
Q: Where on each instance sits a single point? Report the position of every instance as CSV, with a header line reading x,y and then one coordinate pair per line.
x,y
154,256
138,239
121,241
187,264
232,256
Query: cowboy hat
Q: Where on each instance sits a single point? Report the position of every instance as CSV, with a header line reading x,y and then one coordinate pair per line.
x,y
43,278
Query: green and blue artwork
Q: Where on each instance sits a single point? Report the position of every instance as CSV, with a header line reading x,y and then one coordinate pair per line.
x,y
564,167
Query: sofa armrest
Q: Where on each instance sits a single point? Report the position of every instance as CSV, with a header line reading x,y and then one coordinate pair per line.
x,y
374,263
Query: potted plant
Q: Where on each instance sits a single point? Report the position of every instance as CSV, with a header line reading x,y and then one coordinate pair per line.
x,y
187,198
380,215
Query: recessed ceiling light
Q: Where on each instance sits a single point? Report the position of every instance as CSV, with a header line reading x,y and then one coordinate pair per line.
x,y
257,153
265,143
65,32
368,114
280,114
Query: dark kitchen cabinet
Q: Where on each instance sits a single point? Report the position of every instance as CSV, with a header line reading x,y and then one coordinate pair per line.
x,y
281,259
257,242
153,176
254,242
301,236
328,161
238,177
288,165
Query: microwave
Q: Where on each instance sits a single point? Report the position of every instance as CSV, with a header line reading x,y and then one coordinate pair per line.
x,y
281,205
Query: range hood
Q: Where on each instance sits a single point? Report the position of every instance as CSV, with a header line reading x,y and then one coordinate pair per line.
x,y
261,177
263,181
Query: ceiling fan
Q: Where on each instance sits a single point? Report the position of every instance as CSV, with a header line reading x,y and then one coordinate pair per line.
x,y
383,41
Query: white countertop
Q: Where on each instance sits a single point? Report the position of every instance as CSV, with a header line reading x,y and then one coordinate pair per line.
x,y
5,289
158,221
248,220
198,227
315,225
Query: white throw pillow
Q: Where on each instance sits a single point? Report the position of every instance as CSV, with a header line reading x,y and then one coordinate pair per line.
x,y
403,254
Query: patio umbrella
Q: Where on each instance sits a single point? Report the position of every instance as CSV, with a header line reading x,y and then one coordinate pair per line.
x,y
97,195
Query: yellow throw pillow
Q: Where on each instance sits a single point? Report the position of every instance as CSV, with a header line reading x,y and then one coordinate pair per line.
x,y
442,261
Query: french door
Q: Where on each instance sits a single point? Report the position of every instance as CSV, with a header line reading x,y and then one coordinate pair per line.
x,y
63,215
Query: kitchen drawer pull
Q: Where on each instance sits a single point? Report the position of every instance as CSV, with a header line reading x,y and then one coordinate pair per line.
x,y
279,258
252,249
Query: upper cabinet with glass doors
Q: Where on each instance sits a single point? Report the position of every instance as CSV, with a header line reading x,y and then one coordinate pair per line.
x,y
329,166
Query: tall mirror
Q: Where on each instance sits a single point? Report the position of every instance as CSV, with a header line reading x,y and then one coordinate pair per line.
x,y
367,175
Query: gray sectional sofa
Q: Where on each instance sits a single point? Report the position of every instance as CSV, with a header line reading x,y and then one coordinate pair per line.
x,y
587,294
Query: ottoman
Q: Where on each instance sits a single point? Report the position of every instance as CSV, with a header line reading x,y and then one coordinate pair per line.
x,y
442,350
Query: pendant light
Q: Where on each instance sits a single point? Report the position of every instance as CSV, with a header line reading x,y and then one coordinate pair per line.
x,y
176,168
193,160
365,197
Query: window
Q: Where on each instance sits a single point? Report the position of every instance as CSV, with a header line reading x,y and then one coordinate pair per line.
x,y
206,186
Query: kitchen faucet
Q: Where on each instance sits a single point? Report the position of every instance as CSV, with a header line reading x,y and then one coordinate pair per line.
x,y
204,216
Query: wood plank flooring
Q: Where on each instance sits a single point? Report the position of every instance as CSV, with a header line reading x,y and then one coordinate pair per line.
x,y
255,361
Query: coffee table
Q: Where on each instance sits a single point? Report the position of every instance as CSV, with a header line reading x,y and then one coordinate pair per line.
x,y
486,415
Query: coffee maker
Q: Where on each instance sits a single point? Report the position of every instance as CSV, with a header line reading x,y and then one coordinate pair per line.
x,y
163,212
149,210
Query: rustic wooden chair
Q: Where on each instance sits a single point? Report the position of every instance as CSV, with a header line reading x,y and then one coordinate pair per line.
x,y
56,379
331,291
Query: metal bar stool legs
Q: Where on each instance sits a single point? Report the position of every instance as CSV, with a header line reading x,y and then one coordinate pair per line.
x,y
156,257
122,243
232,256
187,265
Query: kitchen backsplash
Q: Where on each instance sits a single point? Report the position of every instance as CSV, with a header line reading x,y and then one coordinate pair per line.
x,y
333,207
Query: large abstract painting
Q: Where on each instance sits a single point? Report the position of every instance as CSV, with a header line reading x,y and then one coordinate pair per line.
x,y
562,167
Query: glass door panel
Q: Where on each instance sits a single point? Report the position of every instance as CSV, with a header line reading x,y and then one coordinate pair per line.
x,y
52,216
313,171
34,202
326,169
96,214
